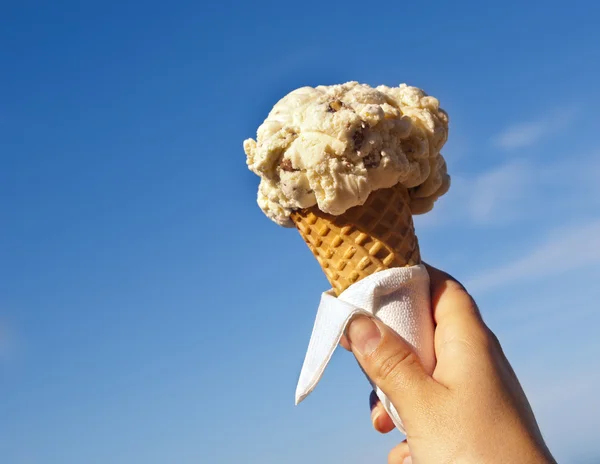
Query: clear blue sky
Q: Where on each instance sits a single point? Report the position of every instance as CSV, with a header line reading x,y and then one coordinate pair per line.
x,y
149,312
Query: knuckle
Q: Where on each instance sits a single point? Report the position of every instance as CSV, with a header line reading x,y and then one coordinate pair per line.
x,y
484,343
481,340
493,345
492,339
390,368
456,292
455,286
468,300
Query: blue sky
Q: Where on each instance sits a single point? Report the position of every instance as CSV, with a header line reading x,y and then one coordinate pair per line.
x,y
150,313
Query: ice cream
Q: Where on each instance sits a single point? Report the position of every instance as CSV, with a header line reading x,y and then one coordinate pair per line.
x,y
331,146
348,165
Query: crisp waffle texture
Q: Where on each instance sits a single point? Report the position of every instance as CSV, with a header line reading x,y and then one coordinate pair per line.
x,y
365,239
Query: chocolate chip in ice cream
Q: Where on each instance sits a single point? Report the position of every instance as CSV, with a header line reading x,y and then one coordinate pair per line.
x,y
372,160
286,165
344,142
408,146
359,137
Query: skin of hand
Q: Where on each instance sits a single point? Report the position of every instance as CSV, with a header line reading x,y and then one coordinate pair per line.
x,y
472,409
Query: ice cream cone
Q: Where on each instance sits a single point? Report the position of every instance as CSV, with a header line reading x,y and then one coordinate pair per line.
x,y
365,239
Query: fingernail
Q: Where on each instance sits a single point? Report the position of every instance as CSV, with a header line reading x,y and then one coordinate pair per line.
x,y
373,400
375,419
407,460
364,335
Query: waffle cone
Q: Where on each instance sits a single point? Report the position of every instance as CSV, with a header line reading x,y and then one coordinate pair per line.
x,y
365,239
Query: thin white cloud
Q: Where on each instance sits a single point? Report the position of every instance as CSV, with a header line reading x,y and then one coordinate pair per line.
x,y
520,189
488,198
525,134
566,407
564,250
550,339
522,135
494,196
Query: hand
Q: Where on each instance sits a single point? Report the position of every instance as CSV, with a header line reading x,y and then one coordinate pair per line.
x,y
472,409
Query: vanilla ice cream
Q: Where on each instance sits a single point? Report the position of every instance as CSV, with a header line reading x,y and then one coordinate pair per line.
x,y
331,146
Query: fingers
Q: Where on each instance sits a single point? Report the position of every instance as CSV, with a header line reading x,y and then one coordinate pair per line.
x,y
390,362
400,454
345,343
460,334
381,420
450,300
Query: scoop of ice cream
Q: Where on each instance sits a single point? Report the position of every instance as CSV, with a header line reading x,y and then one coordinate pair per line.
x,y
331,146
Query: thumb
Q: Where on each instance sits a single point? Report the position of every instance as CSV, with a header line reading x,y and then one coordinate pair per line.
x,y
391,363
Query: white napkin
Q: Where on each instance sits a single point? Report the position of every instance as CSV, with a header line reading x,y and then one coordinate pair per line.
x,y
399,297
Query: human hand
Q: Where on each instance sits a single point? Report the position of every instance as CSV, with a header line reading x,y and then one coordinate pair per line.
x,y
472,409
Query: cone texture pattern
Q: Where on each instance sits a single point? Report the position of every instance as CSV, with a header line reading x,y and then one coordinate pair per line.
x,y
365,239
